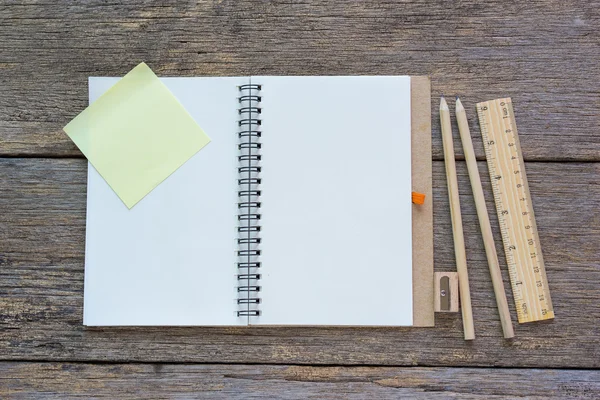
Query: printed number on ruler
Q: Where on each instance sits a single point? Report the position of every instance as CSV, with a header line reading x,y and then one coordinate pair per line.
x,y
515,210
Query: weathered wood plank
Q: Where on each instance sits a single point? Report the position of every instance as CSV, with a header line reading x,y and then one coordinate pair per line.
x,y
42,213
542,55
135,381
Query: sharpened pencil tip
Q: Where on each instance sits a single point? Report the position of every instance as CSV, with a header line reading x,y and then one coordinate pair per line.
x,y
443,103
442,96
456,98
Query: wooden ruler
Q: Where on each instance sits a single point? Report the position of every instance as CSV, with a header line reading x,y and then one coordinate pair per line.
x,y
515,210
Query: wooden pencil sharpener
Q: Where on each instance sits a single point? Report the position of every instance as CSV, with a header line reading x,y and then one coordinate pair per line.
x,y
445,291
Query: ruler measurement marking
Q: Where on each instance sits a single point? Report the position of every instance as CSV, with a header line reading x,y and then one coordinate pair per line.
x,y
514,182
509,243
515,214
514,257
533,273
539,268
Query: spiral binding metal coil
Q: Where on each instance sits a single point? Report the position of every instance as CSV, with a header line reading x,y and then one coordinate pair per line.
x,y
248,241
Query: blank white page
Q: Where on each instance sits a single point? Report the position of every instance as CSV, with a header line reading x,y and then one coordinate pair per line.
x,y
336,201
170,260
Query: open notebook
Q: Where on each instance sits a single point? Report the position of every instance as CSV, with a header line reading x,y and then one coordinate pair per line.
x,y
297,212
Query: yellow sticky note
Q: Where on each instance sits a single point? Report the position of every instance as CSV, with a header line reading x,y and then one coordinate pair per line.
x,y
136,134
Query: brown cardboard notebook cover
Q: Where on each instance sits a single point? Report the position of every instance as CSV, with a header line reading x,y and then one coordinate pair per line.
x,y
422,215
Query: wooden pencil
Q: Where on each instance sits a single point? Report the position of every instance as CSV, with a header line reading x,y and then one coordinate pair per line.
x,y
484,220
457,228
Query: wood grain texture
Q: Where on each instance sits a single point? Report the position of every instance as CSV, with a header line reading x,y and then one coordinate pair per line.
x,y
135,381
41,286
542,54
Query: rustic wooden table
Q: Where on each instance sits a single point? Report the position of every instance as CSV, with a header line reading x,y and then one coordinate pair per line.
x,y
543,54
